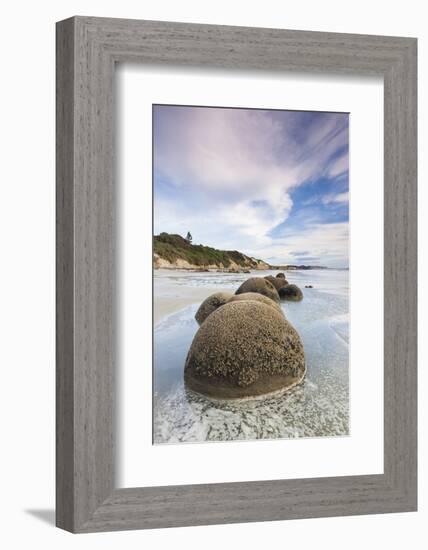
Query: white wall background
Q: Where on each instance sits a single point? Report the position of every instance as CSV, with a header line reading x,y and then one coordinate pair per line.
x,y
27,271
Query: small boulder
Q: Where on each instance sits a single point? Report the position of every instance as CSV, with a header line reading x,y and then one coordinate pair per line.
x,y
261,286
280,275
291,293
255,297
309,286
210,304
278,282
244,349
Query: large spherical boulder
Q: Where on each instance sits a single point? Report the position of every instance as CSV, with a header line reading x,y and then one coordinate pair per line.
x,y
244,349
277,282
291,293
261,286
210,304
280,275
255,297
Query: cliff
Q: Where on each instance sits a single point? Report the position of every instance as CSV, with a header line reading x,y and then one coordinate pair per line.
x,y
174,252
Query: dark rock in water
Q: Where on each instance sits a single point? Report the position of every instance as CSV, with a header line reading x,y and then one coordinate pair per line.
x,y
255,297
309,286
246,271
290,292
261,286
278,282
210,304
244,349
280,275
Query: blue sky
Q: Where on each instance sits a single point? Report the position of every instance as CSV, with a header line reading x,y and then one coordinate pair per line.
x,y
271,184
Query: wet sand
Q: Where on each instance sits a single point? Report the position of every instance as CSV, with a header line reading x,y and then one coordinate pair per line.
x,y
172,298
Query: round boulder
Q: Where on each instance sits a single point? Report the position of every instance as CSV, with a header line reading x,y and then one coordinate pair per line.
x,y
277,282
280,275
291,293
261,286
244,349
255,297
210,304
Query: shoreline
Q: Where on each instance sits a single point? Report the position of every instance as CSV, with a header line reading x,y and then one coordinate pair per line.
x,y
177,298
248,271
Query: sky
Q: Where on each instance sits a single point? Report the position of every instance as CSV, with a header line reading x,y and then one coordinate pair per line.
x,y
271,184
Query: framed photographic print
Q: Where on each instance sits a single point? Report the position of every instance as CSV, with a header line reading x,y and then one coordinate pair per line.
x,y
261,179
236,274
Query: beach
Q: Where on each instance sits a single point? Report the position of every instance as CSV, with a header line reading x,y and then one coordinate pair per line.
x,y
318,407
170,297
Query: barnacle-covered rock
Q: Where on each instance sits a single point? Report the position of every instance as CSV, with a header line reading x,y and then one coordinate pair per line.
x,y
244,349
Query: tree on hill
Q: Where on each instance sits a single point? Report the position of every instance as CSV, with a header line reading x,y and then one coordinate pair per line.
x,y
189,237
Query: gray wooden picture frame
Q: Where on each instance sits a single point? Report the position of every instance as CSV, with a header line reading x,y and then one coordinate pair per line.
x,y
87,50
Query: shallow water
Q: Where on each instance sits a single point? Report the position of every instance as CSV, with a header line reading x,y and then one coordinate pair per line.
x,y
316,408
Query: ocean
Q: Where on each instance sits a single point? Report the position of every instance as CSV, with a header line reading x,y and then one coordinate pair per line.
x,y
319,407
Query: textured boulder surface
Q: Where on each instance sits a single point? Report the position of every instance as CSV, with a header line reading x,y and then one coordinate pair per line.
x,y
280,275
255,297
244,349
291,293
210,304
277,282
261,286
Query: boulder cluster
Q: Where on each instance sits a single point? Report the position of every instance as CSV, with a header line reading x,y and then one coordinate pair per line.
x,y
245,346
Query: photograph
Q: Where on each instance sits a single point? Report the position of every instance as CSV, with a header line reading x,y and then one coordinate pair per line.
x,y
250,274
197,197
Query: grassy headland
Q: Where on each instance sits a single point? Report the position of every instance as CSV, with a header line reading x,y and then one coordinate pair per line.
x,y
173,251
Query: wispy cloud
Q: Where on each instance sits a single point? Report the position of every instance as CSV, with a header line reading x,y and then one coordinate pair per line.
x,y
328,243
229,175
339,198
339,166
